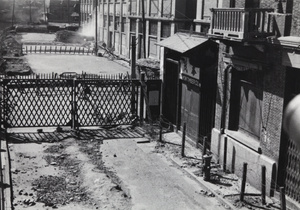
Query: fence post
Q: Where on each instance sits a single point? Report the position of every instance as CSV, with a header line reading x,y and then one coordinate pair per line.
x,y
142,99
282,198
225,154
243,182
160,128
183,140
206,167
133,54
74,108
204,145
263,185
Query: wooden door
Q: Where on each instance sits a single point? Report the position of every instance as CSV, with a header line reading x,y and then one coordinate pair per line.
x,y
190,104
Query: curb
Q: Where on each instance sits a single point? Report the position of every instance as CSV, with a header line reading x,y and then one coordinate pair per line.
x,y
220,198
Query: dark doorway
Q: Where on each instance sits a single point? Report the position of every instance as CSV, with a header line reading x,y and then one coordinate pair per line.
x,y
170,91
252,3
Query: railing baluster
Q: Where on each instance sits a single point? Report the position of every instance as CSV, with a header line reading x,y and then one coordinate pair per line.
x,y
243,23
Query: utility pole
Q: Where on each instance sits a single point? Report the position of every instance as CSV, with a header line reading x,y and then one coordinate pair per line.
x,y
144,28
30,18
45,11
96,27
13,14
68,11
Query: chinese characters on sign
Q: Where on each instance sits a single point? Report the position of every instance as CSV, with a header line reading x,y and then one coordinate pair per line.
x,y
189,73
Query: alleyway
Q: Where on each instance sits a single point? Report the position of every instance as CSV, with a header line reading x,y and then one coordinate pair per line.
x,y
86,174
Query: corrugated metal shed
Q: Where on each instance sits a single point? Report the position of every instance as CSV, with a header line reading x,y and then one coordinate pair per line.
x,y
182,42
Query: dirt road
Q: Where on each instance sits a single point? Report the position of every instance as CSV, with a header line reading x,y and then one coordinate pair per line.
x,y
65,175
101,174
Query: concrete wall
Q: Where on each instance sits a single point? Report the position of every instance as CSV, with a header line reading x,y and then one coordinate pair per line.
x,y
238,154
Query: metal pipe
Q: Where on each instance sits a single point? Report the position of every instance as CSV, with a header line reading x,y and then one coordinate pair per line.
x,y
144,28
96,27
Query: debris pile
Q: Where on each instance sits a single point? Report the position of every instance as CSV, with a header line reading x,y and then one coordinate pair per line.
x,y
149,66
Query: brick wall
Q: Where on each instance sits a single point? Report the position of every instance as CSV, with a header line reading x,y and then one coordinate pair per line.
x,y
295,30
220,83
273,98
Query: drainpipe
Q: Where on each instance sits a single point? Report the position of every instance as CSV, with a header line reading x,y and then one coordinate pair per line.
x,y
224,105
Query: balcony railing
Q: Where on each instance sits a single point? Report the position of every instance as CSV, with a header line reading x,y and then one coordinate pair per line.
x,y
242,24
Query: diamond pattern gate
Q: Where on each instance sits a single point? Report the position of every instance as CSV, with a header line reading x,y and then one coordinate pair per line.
x,y
105,102
37,102
34,102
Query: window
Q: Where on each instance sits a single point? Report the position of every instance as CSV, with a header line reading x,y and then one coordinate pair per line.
x,y
133,7
154,8
246,102
152,47
123,25
165,29
133,25
145,7
117,23
167,5
110,21
250,109
153,28
105,20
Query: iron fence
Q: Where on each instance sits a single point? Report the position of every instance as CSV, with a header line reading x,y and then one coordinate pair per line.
x,y
71,99
57,49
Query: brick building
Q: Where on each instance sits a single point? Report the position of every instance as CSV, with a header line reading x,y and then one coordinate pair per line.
x,y
257,76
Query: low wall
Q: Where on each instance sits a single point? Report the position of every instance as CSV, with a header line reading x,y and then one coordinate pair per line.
x,y
237,154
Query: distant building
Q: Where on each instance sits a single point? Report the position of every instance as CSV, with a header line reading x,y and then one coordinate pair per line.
x,y
64,11
119,20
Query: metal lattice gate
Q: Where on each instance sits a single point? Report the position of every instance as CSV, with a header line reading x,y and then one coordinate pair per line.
x,y
69,102
105,102
37,102
292,181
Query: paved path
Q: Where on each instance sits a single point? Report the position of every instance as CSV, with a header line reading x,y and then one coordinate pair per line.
x,y
153,182
48,63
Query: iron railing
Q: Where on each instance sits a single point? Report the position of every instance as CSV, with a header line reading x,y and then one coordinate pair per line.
x,y
236,23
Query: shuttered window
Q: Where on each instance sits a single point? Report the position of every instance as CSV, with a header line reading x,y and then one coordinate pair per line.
x,y
250,116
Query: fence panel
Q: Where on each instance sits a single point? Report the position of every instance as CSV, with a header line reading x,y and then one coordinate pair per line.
x,y
37,102
103,102
56,49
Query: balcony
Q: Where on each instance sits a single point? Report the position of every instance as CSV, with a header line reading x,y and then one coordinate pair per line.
x,y
241,24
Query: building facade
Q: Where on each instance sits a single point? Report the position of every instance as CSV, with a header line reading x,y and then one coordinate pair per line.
x,y
257,77
119,20
189,71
